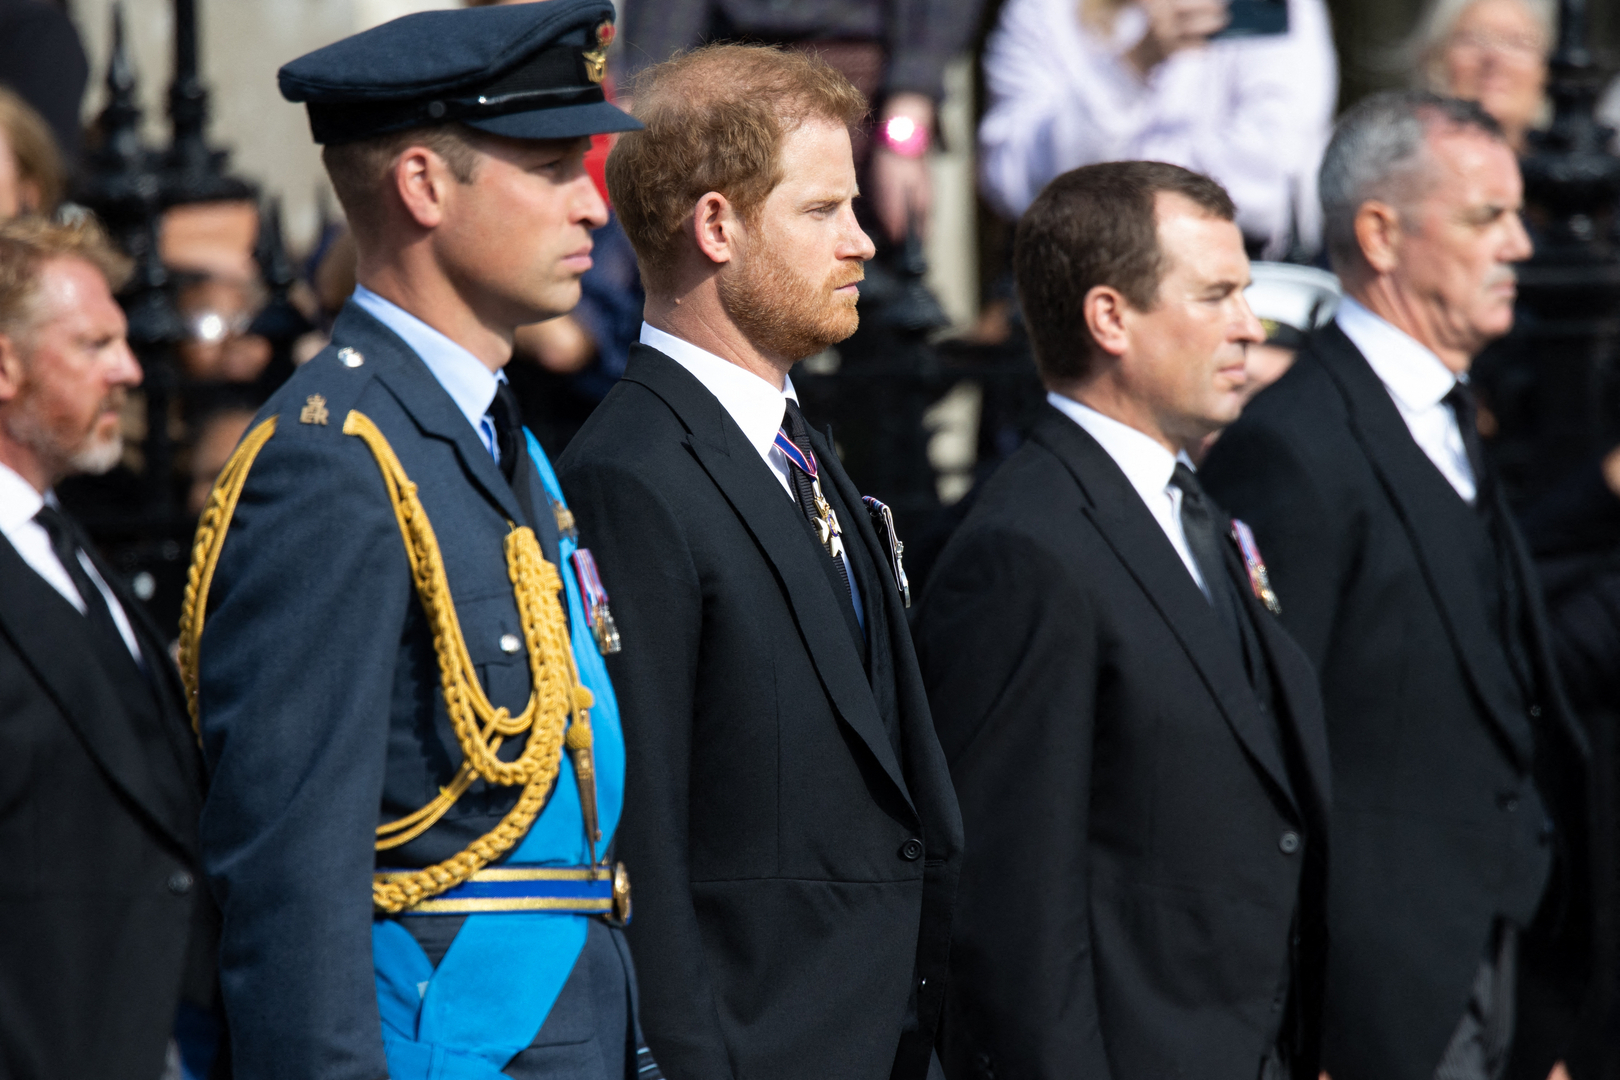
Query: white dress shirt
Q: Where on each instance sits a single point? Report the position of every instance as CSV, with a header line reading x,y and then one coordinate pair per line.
x,y
19,502
755,405
1418,381
470,384
1254,113
1147,465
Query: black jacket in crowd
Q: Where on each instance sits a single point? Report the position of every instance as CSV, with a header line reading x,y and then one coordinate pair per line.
x,y
107,923
1458,770
789,823
1142,881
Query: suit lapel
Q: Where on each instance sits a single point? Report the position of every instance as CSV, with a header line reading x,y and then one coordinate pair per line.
x,y
41,627
1421,498
1299,700
1116,510
774,521
1538,638
165,680
429,405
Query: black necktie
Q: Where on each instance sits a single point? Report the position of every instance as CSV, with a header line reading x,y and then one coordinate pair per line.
x,y
66,544
1205,536
803,486
1511,599
507,416
1466,410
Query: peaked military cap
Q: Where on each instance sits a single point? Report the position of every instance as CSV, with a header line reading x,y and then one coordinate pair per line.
x,y
1290,300
527,71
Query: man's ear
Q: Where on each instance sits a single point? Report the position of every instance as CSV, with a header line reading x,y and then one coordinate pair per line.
x,y
1105,311
11,368
716,228
1378,234
422,181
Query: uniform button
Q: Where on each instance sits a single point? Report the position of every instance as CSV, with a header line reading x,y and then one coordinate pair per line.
x,y
1507,800
350,358
180,882
911,850
1535,712
510,643
1289,843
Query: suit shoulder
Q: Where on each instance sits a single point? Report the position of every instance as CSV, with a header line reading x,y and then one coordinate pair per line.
x,y
320,393
1302,418
1301,400
631,430
1031,500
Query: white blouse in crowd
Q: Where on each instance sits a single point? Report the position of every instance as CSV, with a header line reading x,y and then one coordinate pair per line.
x,y
1254,113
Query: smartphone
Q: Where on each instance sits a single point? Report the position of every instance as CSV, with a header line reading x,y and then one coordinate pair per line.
x,y
1255,18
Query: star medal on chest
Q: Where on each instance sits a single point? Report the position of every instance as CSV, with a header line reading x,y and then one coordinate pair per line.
x,y
828,531
1259,579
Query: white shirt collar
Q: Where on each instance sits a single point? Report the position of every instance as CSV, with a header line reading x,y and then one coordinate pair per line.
x,y
464,377
1414,376
753,403
1143,460
19,502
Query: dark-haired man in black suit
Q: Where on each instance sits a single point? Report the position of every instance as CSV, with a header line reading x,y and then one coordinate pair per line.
x,y
107,928
1136,743
1458,769
787,808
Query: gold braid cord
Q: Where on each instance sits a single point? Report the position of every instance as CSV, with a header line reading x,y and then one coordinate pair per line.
x,y
480,727
205,549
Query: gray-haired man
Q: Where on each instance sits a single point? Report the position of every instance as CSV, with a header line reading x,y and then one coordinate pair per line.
x,y
1458,771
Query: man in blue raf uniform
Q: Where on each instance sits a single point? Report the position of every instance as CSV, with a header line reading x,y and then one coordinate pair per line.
x,y
392,638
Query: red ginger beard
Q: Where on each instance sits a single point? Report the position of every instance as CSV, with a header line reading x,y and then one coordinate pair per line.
x,y
782,312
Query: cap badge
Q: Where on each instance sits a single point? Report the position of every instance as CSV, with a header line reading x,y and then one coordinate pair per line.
x,y
596,59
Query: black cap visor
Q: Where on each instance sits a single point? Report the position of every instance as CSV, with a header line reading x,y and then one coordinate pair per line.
x,y
564,122
565,113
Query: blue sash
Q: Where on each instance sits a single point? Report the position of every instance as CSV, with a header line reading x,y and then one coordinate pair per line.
x,y
496,985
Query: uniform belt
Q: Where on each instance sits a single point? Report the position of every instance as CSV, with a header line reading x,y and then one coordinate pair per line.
x,y
583,890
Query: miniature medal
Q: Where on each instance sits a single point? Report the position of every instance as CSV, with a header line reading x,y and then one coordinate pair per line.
x,y
597,612
1259,579
883,524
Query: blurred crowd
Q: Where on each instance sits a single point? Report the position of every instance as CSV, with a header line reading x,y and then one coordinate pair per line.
x,y
1243,91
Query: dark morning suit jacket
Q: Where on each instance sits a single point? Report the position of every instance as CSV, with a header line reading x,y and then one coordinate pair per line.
x,y
1140,833
322,714
100,786
789,821
1386,578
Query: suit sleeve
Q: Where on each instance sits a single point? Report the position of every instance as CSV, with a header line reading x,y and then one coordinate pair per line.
x,y
653,585
1007,646
1307,542
297,670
